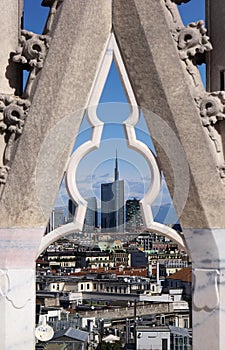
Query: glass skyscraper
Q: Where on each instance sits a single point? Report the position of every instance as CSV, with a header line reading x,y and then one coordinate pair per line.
x,y
91,219
112,204
134,220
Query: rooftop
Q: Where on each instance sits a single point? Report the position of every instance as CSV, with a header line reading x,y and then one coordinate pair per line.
x,y
184,275
73,333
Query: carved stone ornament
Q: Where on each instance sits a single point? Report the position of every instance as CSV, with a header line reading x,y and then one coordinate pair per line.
x,y
221,170
13,112
212,107
32,50
192,43
192,40
3,174
206,294
212,110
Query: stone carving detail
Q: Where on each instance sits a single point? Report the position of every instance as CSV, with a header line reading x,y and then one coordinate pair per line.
x,y
212,110
192,40
212,107
31,53
32,49
192,43
13,112
3,174
206,279
221,169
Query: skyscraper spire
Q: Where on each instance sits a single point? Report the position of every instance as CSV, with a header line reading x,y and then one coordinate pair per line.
x,y
112,203
116,171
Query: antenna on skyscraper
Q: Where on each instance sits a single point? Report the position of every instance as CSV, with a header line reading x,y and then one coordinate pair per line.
x,y
116,174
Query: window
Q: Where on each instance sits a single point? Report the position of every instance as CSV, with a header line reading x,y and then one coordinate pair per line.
x,y
185,323
162,319
164,344
88,286
82,286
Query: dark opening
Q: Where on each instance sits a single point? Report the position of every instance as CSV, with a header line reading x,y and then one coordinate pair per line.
x,y
187,37
37,48
164,344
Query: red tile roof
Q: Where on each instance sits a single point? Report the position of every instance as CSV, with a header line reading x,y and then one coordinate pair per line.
x,y
184,275
141,271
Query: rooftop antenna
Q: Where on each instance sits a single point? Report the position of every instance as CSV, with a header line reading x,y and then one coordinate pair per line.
x,y
116,171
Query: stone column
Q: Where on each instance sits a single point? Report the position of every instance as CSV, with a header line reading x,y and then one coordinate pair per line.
x,y
10,26
166,90
208,299
18,250
81,33
10,75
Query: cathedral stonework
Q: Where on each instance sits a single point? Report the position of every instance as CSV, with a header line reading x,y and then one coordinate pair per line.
x,y
13,113
160,57
192,40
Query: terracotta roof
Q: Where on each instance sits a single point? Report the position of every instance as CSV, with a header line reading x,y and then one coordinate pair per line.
x,y
141,271
184,275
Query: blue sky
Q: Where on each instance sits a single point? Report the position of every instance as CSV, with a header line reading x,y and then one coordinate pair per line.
x,y
35,14
98,167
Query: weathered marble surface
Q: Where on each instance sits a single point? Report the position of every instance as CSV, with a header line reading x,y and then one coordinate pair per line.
x,y
208,310
161,85
17,308
10,77
62,89
11,14
18,251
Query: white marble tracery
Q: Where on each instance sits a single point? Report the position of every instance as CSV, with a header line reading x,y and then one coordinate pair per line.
x,y
111,53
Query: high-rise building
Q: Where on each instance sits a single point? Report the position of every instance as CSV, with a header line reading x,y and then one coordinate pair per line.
x,y
91,217
71,210
134,220
112,204
57,219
